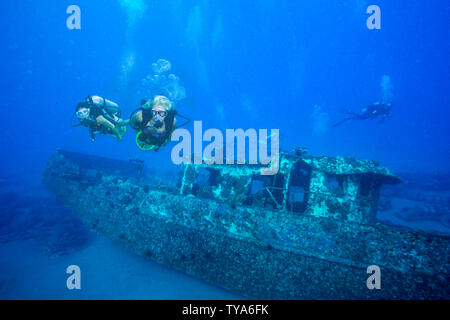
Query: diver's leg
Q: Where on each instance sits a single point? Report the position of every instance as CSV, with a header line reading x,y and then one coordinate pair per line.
x,y
123,123
120,127
337,124
117,134
349,112
382,119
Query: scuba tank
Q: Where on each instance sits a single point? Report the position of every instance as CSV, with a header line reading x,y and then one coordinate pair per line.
x,y
110,107
110,111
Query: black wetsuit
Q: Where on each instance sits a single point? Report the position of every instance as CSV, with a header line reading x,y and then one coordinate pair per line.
x,y
148,138
370,112
91,122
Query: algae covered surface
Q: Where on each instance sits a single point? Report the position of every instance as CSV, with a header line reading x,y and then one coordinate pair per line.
x,y
260,252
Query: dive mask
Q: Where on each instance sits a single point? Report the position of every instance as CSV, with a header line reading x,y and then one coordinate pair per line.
x,y
82,114
161,113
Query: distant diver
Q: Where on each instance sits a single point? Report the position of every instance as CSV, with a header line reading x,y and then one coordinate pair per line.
x,y
155,122
101,115
378,109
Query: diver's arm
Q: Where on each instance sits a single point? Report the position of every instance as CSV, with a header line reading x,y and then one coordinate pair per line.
x,y
101,120
136,120
123,123
174,126
384,117
92,134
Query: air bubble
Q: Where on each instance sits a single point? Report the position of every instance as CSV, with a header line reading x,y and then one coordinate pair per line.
x,y
161,66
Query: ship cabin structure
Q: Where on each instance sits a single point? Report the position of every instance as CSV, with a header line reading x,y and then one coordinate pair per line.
x,y
341,188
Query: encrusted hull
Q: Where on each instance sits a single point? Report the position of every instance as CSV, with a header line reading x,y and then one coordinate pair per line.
x,y
260,253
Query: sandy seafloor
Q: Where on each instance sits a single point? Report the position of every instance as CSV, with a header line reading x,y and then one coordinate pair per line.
x,y
37,244
108,271
40,238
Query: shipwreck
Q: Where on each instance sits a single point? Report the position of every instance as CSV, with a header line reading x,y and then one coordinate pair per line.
x,y
308,232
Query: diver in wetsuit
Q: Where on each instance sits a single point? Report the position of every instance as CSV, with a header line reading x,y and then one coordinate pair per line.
x,y
155,122
101,115
378,109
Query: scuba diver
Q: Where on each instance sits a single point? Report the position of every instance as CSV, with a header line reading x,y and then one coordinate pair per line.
x,y
378,109
155,122
101,115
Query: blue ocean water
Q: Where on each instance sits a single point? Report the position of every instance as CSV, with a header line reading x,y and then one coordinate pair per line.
x,y
291,65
